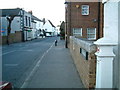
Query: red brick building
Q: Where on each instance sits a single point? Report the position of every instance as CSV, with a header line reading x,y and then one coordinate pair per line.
x,y
84,20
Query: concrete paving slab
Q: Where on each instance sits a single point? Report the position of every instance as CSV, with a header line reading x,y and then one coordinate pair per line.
x,y
56,70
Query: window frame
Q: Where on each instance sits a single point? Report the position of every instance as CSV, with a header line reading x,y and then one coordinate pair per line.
x,y
91,34
75,33
83,12
29,21
26,21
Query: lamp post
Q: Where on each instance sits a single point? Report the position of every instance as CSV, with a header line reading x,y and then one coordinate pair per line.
x,y
66,23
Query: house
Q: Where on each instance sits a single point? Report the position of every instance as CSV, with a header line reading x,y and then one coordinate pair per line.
x,y
16,25
84,20
83,26
22,26
36,27
27,25
49,28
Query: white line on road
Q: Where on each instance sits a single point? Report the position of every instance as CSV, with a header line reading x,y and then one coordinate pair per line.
x,y
35,68
11,65
8,52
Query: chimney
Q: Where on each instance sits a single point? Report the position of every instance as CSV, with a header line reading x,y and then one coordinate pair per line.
x,y
30,12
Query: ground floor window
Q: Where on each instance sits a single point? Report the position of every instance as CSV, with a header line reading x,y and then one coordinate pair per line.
x,y
91,33
77,31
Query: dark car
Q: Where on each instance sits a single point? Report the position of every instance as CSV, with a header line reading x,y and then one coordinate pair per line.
x,y
5,86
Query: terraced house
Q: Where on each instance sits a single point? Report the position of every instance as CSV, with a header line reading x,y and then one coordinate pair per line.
x,y
84,25
23,25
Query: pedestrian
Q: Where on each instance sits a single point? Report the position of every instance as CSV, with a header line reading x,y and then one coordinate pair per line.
x,y
55,42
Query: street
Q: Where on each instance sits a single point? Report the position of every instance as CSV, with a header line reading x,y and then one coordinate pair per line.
x,y
32,65
18,59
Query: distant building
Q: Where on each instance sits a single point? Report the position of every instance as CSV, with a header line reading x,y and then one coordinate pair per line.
x,y
16,23
36,27
21,22
49,28
24,24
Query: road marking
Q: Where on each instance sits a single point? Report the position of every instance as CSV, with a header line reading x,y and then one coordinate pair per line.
x,y
25,50
11,65
8,52
24,85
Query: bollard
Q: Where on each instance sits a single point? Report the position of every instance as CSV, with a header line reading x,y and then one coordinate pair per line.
x,y
55,42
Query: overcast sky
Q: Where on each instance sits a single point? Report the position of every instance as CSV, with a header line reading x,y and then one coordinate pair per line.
x,y
53,10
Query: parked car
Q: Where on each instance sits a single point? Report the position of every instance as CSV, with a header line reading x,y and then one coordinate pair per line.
x,y
5,86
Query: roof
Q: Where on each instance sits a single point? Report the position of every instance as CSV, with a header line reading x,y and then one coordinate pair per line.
x,y
35,18
8,12
51,23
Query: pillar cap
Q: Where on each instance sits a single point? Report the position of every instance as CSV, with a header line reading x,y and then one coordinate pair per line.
x,y
105,42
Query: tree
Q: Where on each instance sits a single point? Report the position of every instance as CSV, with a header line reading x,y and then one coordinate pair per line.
x,y
62,30
9,19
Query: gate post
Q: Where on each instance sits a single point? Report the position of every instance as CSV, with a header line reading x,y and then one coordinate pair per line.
x,y
105,57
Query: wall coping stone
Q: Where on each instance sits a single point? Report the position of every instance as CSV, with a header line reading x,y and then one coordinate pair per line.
x,y
89,46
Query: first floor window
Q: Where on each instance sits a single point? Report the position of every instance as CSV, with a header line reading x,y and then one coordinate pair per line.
x,y
85,10
77,31
29,22
26,20
91,33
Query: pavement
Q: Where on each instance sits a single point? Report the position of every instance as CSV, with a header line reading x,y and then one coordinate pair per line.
x,y
55,69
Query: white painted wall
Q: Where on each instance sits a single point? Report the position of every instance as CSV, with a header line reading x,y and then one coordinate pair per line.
x,y
33,30
28,35
111,21
16,25
116,64
48,28
4,24
38,27
107,63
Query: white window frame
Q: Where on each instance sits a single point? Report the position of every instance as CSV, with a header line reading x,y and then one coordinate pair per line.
x,y
85,9
76,32
91,33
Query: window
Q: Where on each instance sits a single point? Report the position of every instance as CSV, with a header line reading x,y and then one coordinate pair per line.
x,y
26,20
77,31
29,22
91,33
85,10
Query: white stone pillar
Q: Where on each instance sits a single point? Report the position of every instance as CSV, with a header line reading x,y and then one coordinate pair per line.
x,y
104,70
105,55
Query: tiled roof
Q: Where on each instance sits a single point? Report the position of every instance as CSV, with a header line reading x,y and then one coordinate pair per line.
x,y
35,18
51,23
7,12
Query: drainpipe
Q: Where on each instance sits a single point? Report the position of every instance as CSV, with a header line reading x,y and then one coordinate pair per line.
x,y
66,22
99,20
23,36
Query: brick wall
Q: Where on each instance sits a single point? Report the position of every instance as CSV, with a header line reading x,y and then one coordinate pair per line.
x,y
74,18
86,68
13,38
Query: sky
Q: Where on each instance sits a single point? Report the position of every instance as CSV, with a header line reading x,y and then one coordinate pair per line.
x,y
53,10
